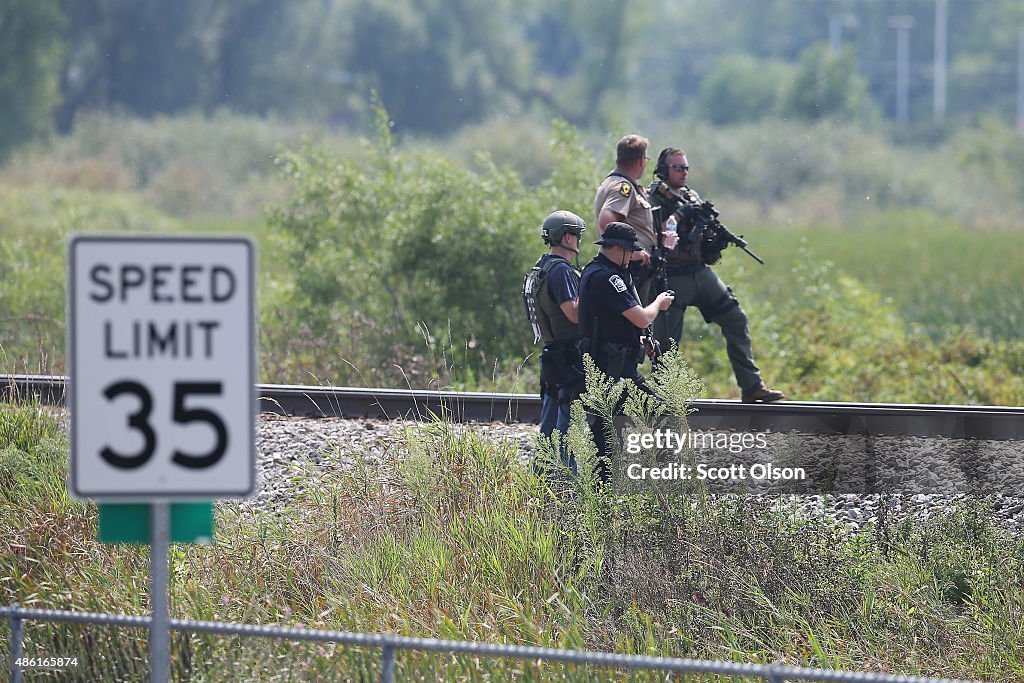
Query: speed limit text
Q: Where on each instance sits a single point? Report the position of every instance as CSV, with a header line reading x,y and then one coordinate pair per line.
x,y
158,284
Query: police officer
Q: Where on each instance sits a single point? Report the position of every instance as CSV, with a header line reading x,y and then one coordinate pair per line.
x,y
620,198
550,293
696,284
612,317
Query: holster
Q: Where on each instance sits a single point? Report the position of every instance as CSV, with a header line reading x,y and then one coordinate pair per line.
x,y
561,365
614,359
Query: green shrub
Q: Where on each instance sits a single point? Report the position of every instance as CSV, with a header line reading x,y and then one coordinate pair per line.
x,y
741,89
826,86
402,251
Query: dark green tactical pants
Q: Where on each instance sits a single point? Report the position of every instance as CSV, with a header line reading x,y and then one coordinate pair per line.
x,y
706,291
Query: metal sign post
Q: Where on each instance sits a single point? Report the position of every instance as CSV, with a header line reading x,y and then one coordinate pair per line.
x,y
160,630
162,366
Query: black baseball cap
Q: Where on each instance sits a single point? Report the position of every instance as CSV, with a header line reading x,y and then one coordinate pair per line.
x,y
619,235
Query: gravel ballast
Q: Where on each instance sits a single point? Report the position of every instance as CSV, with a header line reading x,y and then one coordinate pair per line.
x,y
333,442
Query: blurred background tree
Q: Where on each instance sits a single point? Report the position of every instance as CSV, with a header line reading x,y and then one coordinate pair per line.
x,y
196,115
826,86
742,89
438,66
30,48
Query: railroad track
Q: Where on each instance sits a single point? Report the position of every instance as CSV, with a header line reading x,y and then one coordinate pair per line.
x,y
874,419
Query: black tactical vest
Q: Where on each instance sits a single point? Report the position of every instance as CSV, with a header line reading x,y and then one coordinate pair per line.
x,y
687,252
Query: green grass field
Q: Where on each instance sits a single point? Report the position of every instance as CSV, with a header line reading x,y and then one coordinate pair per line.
x,y
941,277
452,537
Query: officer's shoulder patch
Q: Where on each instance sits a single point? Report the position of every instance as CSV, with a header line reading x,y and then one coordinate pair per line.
x,y
625,188
617,283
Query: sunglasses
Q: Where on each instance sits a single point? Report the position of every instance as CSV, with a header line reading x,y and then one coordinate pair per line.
x,y
679,167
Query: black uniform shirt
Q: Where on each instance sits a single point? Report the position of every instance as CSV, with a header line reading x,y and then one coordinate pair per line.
x,y
606,291
563,281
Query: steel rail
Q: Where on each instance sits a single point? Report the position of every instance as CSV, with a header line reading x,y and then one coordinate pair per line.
x,y
869,419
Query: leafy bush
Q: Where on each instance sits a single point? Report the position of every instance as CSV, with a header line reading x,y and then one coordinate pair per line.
x,y
742,89
826,86
397,250
188,165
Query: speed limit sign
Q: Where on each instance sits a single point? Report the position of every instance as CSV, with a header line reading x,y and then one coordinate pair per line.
x,y
161,361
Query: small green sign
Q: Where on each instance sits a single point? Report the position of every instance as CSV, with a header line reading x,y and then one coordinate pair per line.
x,y
130,523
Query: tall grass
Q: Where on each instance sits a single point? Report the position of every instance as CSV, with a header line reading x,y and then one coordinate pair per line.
x,y
186,166
877,313
440,533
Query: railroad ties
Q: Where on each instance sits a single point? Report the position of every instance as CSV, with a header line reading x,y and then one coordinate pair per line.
x,y
875,419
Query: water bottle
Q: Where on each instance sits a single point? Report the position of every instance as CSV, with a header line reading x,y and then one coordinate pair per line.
x,y
671,234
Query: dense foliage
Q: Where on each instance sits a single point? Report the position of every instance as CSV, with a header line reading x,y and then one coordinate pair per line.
x,y
425,257
439,66
398,262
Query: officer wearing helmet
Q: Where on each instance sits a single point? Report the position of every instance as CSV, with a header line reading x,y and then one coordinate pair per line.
x,y
550,293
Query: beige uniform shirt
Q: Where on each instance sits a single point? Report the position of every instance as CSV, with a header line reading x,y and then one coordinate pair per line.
x,y
617,194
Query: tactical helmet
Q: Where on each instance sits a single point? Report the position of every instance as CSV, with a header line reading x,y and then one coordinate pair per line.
x,y
559,223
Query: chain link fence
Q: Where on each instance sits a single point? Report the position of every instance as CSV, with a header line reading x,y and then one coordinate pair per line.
x,y
382,650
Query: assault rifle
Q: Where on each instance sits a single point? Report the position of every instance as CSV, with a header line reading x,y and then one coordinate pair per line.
x,y
706,226
702,221
652,347
658,259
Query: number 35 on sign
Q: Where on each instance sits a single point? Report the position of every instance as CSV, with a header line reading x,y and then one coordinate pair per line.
x,y
161,357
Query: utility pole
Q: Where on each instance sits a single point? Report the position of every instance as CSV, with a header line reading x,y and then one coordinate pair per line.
x,y
941,34
1020,78
836,22
902,23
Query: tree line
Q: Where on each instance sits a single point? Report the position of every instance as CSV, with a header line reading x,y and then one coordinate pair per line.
x,y
439,64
